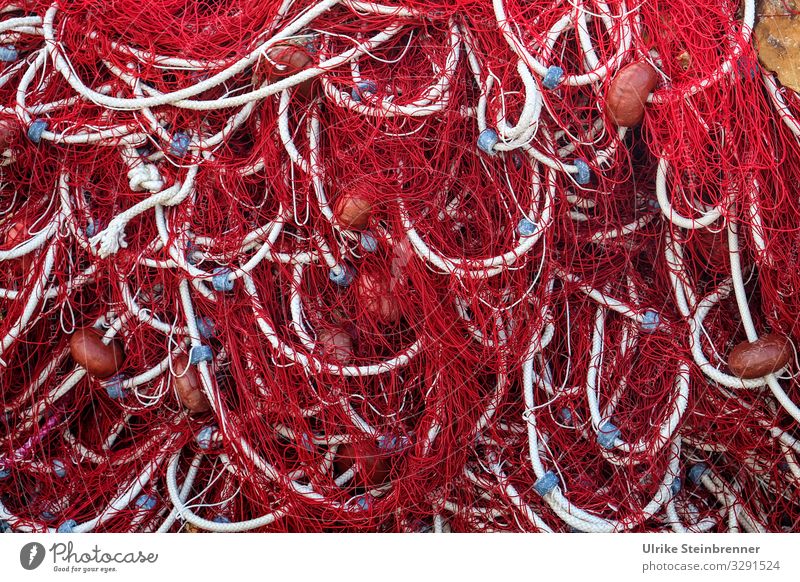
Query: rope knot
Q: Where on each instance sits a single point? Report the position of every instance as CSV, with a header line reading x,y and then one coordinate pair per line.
x,y
145,178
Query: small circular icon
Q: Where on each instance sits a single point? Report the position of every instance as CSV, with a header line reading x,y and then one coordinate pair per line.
x,y
31,555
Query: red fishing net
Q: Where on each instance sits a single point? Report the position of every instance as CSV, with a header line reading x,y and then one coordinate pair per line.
x,y
407,266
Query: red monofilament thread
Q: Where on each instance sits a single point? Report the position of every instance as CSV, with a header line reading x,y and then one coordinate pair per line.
x,y
469,266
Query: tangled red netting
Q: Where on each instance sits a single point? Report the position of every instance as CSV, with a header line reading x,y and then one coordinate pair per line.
x,y
341,265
